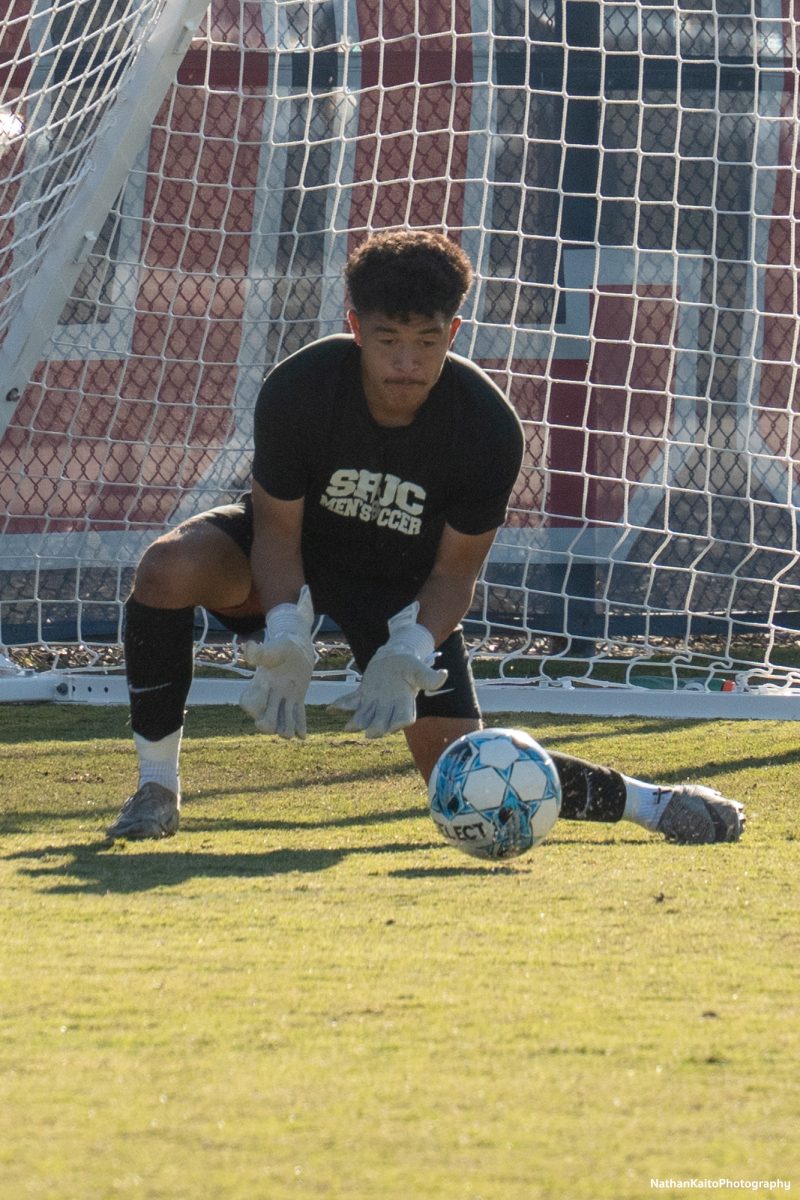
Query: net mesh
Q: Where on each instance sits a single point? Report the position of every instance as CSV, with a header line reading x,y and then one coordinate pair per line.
x,y
623,177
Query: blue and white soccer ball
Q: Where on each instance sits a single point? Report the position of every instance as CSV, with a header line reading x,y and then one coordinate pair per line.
x,y
495,793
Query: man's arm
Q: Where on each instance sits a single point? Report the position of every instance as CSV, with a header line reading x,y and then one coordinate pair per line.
x,y
275,561
284,661
447,593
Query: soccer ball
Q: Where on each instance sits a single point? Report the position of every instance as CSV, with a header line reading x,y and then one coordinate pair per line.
x,y
495,793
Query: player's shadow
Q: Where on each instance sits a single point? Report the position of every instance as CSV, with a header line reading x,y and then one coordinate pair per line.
x,y
207,822
196,819
108,868
452,870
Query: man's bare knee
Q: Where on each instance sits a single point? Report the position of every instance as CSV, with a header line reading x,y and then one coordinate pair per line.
x,y
195,564
164,576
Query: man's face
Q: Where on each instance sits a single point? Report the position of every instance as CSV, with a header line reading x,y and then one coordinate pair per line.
x,y
401,361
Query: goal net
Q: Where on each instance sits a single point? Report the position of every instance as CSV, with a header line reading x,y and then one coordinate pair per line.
x,y
180,185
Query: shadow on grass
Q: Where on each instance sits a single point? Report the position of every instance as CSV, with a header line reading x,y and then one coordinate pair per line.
x,y
28,821
124,868
434,872
211,824
108,868
508,867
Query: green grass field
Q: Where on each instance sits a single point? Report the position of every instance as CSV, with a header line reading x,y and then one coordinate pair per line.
x,y
306,993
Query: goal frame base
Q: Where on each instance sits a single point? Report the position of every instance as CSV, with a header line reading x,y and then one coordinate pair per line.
x,y
101,688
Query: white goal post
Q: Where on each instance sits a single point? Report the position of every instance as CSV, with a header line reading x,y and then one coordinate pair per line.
x,y
180,185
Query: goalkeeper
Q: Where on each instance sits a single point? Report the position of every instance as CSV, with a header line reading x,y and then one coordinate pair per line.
x,y
382,469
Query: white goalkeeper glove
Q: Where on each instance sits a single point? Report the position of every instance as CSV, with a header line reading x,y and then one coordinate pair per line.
x,y
284,663
384,700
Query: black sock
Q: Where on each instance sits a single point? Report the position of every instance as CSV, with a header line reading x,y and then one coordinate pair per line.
x,y
589,792
159,660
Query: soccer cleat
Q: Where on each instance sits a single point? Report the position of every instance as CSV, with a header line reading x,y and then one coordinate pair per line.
x,y
699,815
151,812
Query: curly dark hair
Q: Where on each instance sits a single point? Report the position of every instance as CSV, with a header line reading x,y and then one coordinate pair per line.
x,y
407,271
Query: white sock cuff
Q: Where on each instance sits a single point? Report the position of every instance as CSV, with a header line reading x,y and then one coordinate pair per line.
x,y
164,750
158,761
644,802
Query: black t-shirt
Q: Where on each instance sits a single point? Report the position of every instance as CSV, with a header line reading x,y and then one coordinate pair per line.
x,y
377,498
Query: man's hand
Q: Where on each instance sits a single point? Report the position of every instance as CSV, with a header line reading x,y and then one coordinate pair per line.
x,y
284,662
384,700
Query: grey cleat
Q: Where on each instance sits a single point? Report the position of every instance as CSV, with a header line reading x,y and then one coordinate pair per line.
x,y
152,812
699,815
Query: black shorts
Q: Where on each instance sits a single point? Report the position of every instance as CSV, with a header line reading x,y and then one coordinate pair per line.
x,y
361,609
